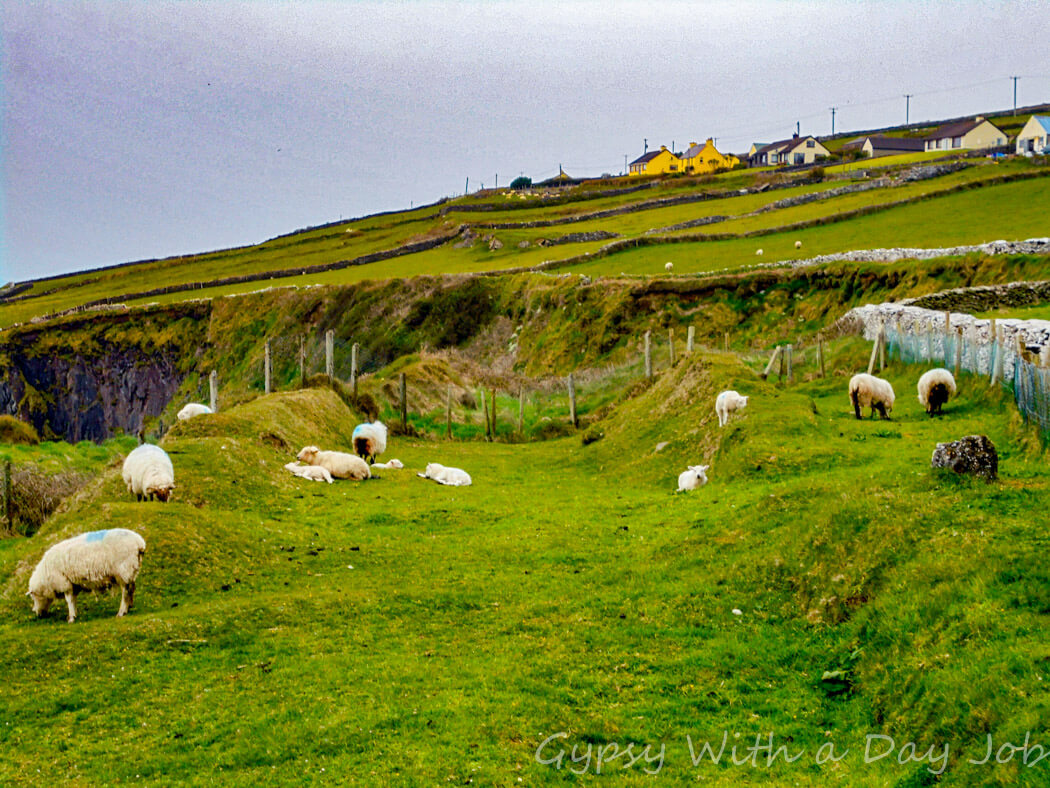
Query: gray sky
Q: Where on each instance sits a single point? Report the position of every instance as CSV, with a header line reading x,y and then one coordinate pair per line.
x,y
134,130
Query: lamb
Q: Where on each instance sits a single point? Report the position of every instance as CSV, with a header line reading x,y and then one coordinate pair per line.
x,y
455,477
191,410
340,464
869,391
393,464
314,473
369,440
727,402
668,266
88,562
936,387
693,478
147,472
759,252
798,244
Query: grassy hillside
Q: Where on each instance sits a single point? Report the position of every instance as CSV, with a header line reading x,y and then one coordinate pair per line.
x,y
294,633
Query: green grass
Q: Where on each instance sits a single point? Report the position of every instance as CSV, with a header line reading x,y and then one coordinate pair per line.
x,y
568,590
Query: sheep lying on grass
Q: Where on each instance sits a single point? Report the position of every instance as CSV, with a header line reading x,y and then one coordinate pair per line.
x,y
868,391
936,387
340,464
88,562
369,440
693,478
393,464
455,477
147,472
314,473
191,410
728,402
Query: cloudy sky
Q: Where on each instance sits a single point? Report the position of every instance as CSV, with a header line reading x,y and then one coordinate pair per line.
x,y
143,129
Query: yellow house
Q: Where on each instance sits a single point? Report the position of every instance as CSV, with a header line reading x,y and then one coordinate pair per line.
x,y
706,158
968,134
657,162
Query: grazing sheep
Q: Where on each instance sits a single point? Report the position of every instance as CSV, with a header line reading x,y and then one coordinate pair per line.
x,y
693,478
369,440
314,473
869,391
936,387
191,410
668,266
759,252
455,477
147,473
798,244
88,562
727,402
392,464
340,464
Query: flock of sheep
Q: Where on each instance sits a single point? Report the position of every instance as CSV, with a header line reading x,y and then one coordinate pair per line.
x,y
98,560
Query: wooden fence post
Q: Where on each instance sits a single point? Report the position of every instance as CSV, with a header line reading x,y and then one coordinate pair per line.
x,y
874,354
958,350
648,355
493,406
485,414
9,504
521,410
402,387
882,346
790,369
725,341
302,361
947,336
997,362
772,360
353,368
213,387
820,353
267,369
690,338
572,398
780,374
329,355
993,346
448,412
670,344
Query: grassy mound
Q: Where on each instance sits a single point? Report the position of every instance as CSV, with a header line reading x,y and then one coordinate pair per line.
x,y
14,430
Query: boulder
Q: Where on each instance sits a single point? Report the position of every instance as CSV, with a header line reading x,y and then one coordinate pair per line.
x,y
974,454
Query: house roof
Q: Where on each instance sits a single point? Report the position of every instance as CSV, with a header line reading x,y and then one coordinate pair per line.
x,y
1044,121
647,157
960,129
692,151
786,145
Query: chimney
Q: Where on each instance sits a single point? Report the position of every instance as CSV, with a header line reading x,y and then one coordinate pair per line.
x,y
979,118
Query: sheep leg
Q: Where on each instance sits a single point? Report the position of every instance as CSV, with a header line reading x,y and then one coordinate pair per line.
x,y
71,606
127,598
882,412
856,405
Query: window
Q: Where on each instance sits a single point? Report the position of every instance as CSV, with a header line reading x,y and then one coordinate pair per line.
x,y
800,158
811,143
956,142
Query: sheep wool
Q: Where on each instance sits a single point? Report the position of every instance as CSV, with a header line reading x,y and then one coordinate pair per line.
x,y
668,266
314,473
191,410
89,562
692,478
148,472
340,464
728,402
369,440
936,387
454,477
868,391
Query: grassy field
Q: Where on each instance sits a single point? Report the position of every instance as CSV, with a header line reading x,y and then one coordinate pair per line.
x,y
826,585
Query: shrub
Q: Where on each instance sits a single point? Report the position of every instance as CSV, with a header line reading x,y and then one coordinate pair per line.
x,y
35,495
521,182
13,430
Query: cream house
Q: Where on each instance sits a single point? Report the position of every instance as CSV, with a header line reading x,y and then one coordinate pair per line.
x,y
1035,136
966,134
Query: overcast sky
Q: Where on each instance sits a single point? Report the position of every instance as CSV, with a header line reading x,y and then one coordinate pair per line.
x,y
135,130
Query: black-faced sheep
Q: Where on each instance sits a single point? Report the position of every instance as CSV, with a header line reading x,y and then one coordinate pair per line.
x,y
148,473
340,464
369,440
869,391
88,562
936,387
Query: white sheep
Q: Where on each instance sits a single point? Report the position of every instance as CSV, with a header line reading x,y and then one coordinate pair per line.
x,y
314,473
759,252
392,464
693,478
868,391
728,402
936,387
455,477
148,472
340,464
369,440
798,244
668,266
191,410
88,562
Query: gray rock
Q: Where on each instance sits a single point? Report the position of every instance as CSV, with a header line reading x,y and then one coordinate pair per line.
x,y
974,454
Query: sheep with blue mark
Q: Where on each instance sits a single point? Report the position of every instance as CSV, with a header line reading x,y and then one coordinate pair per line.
x,y
369,440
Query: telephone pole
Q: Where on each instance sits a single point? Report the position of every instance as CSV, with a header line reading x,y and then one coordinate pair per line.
x,y
833,109
907,107
1015,93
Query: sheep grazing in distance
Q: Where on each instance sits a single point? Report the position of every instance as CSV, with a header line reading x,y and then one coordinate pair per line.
x,y
668,266
798,244
88,562
392,464
314,473
369,440
693,478
868,391
728,402
936,387
455,477
191,410
340,464
759,252
148,472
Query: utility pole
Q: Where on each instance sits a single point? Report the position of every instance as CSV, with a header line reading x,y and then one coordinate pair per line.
x,y
625,164
497,180
907,107
466,189
645,140
833,109
1015,93
798,128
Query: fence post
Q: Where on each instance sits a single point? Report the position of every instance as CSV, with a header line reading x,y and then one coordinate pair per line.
x,y
213,387
820,353
302,361
572,395
521,410
947,335
690,338
402,387
958,349
874,354
9,506
267,369
485,414
329,355
670,344
882,346
790,367
353,368
648,355
448,412
780,374
993,348
725,341
772,361
493,405
997,366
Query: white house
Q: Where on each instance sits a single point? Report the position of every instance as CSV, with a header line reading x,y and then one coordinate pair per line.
x,y
1035,136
